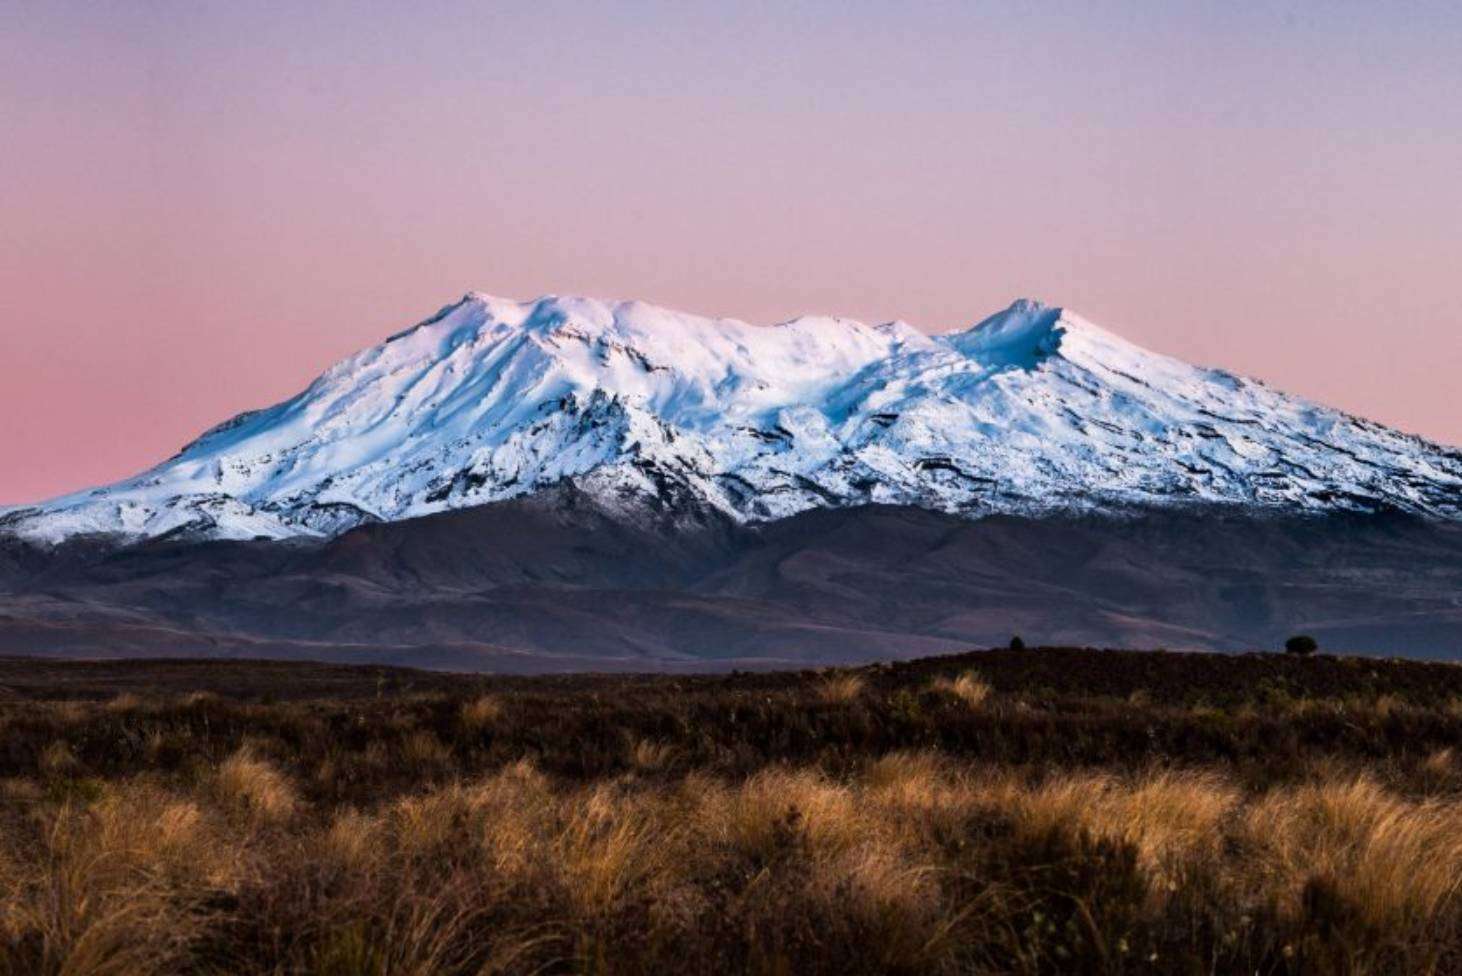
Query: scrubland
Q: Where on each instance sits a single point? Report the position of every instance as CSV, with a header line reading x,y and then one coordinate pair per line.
x,y
1042,811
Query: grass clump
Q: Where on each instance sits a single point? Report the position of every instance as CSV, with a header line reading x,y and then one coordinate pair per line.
x,y
967,688
245,782
841,688
481,712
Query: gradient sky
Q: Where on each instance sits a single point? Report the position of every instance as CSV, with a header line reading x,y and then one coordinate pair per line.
x,y
203,205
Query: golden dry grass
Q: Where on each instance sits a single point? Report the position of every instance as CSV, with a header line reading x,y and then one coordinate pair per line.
x,y
841,688
125,702
481,712
251,784
1394,862
351,842
884,820
609,845
115,886
967,687
890,857
648,754
422,748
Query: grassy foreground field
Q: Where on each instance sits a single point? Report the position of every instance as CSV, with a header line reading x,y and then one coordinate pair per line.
x,y
1037,811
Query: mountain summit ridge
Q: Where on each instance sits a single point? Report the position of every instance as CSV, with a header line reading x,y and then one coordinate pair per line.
x,y
1029,411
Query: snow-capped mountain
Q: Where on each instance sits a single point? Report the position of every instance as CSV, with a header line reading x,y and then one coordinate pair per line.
x,y
1033,410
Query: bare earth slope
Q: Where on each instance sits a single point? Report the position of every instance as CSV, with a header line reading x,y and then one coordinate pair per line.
x,y
556,583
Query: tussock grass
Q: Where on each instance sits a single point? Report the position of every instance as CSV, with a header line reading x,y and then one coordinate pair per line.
x,y
351,842
1394,864
250,783
856,822
125,702
481,712
647,754
841,688
113,887
421,748
967,688
892,861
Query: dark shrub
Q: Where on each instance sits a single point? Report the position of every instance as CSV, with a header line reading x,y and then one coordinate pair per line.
x,y
1016,644
1301,644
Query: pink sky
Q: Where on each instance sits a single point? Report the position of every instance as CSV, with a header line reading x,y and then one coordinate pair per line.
x,y
203,205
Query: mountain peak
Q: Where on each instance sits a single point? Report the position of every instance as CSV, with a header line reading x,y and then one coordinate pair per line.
x,y
1022,335
1031,410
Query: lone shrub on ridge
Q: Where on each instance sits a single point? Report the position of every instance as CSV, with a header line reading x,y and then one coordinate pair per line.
x,y
1301,644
